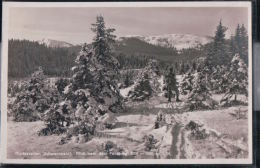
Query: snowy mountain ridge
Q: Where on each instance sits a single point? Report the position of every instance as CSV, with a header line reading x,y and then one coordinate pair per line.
x,y
54,43
179,41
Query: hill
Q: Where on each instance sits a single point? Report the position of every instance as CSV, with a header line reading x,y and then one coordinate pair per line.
x,y
178,41
55,43
26,56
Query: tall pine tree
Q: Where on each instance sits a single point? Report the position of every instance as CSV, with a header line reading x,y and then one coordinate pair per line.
x,y
107,67
218,52
142,90
187,83
171,86
93,89
34,99
239,43
237,81
244,44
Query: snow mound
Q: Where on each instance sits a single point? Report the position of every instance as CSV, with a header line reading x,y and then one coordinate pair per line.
x,y
124,92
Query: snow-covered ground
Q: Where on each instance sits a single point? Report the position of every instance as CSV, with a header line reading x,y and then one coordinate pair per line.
x,y
124,92
227,137
227,134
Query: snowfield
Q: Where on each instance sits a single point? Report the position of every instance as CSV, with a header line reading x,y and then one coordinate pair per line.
x,y
227,136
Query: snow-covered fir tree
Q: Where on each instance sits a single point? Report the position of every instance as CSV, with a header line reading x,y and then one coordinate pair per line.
x,y
142,89
147,83
182,68
237,81
61,84
218,52
171,86
186,84
239,43
244,44
200,91
194,66
107,68
153,71
33,100
75,104
93,89
127,80
219,79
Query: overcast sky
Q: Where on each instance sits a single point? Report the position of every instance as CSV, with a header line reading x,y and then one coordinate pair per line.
x,y
73,24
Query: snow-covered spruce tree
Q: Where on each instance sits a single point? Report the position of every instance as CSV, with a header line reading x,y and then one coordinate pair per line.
x,y
186,84
182,68
126,77
239,43
127,81
33,100
61,84
244,44
218,52
237,82
142,89
200,92
219,79
71,110
147,82
171,86
93,89
154,74
107,68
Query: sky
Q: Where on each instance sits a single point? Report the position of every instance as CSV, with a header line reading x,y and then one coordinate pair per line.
x,y
73,24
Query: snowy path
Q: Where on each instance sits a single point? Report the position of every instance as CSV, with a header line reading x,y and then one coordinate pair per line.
x,y
177,150
175,134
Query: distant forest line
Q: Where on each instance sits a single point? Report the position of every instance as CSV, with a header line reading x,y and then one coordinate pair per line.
x,y
25,56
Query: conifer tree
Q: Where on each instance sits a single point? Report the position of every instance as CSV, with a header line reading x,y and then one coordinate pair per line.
x,y
142,90
187,83
171,85
244,44
218,52
107,67
200,91
176,67
239,43
237,81
237,37
128,81
233,48
182,68
33,100
92,91
76,108
219,79
147,82
194,66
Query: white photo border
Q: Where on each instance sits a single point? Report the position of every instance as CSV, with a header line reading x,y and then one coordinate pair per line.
x,y
4,82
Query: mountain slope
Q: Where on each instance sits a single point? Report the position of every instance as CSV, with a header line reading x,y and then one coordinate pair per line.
x,y
132,46
179,41
55,43
135,46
